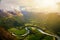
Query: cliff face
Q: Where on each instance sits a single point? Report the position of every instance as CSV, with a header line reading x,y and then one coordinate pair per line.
x,y
5,35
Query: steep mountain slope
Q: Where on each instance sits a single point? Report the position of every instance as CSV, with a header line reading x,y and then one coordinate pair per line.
x,y
5,35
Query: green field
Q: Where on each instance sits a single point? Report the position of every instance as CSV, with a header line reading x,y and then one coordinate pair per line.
x,y
33,35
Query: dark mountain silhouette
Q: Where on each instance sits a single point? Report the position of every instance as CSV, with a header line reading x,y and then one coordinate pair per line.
x,y
5,35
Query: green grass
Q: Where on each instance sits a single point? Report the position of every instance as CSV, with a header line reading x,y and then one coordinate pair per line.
x,y
35,35
17,31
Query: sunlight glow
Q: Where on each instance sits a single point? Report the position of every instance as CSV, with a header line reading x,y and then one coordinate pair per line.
x,y
46,5
31,5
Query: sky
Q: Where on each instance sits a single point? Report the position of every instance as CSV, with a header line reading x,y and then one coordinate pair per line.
x,y
30,5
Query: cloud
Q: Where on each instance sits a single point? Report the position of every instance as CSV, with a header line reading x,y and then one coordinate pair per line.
x,y
30,5
16,3
8,4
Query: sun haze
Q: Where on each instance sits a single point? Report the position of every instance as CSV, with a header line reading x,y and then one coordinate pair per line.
x,y
31,5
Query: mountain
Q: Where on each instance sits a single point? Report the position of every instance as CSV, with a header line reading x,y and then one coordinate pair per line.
x,y
5,35
11,18
6,13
